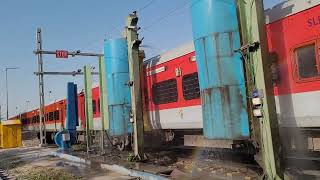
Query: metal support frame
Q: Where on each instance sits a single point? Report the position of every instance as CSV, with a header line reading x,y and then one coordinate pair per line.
x,y
70,53
266,131
135,83
42,127
39,52
73,73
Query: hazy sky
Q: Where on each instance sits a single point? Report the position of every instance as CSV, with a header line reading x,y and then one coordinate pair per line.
x,y
73,25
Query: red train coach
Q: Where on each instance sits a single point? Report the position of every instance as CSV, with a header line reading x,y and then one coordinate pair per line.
x,y
172,95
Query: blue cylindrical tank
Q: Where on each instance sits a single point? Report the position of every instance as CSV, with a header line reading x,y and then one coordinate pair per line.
x,y
220,69
118,91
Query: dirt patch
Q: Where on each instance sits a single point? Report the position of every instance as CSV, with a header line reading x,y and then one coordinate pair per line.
x,y
29,139
181,163
10,162
35,163
42,173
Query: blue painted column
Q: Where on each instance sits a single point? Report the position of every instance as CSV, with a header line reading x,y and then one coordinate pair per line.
x,y
118,91
72,111
71,119
220,69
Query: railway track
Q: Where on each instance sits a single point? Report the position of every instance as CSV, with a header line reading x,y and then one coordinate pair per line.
x,y
4,176
303,161
214,161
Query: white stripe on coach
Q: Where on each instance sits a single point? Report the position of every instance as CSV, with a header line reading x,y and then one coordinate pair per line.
x,y
299,110
177,118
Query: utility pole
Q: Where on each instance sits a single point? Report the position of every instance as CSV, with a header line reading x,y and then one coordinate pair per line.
x,y
42,127
7,94
27,105
7,89
135,83
256,56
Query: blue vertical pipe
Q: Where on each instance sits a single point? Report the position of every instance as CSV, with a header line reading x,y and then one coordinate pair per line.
x,y
71,122
76,104
71,119
118,91
220,69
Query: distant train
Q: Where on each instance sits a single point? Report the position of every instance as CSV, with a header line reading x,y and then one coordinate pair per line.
x,y
172,94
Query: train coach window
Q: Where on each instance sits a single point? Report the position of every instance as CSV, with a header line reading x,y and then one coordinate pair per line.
x,y
306,61
99,104
56,115
190,86
165,92
94,106
50,116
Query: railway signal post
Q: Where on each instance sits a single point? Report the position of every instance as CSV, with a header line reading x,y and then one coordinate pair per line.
x,y
135,85
255,54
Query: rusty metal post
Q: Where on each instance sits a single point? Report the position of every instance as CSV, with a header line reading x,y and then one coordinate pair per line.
x,y
135,85
256,56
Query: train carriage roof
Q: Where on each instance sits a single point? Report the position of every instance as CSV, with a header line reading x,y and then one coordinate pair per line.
x,y
169,55
288,8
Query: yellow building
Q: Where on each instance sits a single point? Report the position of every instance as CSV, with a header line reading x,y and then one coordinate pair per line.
x,y
10,134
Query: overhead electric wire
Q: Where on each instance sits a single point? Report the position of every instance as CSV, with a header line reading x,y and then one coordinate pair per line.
x,y
119,26
162,18
146,6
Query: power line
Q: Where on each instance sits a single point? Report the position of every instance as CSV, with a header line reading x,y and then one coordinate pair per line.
x,y
119,26
170,13
146,6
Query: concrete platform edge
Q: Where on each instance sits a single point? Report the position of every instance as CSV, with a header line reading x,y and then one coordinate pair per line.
x,y
132,172
70,158
113,167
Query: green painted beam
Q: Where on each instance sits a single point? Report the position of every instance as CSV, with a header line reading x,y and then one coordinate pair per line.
x,y
258,74
88,97
103,95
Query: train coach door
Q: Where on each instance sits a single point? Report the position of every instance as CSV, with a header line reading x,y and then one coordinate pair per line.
x,y
318,53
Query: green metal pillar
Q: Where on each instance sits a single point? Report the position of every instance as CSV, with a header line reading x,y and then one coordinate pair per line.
x,y
135,84
88,104
258,73
103,101
103,94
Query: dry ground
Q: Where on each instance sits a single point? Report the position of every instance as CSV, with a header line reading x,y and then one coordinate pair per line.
x,y
34,163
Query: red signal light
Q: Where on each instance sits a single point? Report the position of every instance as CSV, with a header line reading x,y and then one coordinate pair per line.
x,y
61,54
